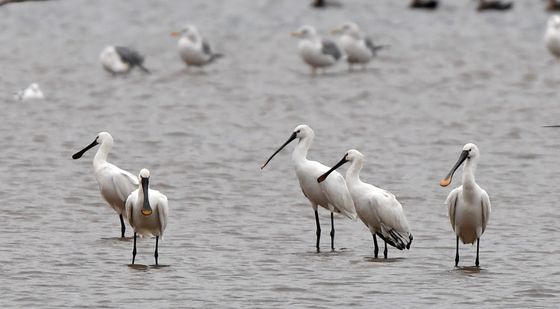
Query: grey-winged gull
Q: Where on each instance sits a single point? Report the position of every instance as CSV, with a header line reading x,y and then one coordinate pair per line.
x,y
358,48
193,48
315,51
119,60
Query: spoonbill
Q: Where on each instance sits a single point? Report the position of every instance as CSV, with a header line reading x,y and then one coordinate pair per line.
x,y
468,205
193,48
332,194
115,184
552,36
358,48
118,59
316,52
147,211
378,209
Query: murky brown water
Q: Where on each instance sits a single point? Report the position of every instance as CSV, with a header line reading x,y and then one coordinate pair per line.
x,y
241,237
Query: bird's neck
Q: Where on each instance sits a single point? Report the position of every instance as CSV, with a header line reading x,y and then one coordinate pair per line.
x,y
468,174
353,172
102,153
300,152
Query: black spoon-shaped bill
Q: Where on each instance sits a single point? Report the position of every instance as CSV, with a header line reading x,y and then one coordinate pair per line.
x,y
80,153
325,175
292,137
447,180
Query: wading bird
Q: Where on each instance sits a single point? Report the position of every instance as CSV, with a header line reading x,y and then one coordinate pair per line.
x,y
147,211
115,184
331,194
358,48
378,209
316,52
468,205
120,60
552,36
194,50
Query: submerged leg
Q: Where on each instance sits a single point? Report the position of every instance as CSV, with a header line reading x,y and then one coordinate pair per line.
x,y
457,253
332,231
156,253
385,251
318,228
123,228
477,246
134,250
375,247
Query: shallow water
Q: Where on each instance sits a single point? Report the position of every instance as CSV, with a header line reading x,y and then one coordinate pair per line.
x,y
244,238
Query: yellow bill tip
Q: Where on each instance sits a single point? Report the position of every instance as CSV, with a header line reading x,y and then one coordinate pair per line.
x,y
175,34
445,182
146,212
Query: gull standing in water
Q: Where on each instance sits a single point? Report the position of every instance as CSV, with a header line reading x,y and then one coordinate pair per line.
x,y
120,60
378,209
115,184
316,52
358,49
552,36
468,205
147,211
32,92
193,48
332,194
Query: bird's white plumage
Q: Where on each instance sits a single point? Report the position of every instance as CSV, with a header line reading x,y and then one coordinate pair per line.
x,y
32,92
150,225
310,48
469,205
112,62
354,45
193,49
552,36
378,209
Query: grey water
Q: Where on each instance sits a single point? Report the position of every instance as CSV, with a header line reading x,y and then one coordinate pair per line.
x,y
239,237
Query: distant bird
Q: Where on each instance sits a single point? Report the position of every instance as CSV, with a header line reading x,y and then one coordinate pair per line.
x,y
553,5
468,205
115,184
325,3
193,48
378,209
358,48
552,36
147,211
487,5
120,60
316,52
32,92
424,4
331,194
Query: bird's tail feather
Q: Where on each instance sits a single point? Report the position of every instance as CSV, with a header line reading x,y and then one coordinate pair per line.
x,y
216,56
144,69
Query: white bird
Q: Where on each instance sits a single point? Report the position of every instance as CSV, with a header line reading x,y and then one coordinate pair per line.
x,y
316,52
119,60
468,205
332,194
358,48
32,92
378,209
193,49
552,36
147,211
115,184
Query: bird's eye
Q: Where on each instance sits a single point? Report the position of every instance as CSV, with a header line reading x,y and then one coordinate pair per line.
x,y
298,131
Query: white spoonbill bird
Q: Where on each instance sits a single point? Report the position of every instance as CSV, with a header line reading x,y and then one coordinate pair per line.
x,y
194,50
552,36
316,52
468,204
115,184
147,211
378,209
358,48
332,194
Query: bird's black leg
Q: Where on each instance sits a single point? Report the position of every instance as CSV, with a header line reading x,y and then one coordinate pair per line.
x,y
477,246
385,251
332,231
156,253
457,253
375,247
134,250
123,228
318,228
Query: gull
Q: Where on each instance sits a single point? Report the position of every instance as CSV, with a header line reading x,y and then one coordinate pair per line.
x,y
316,52
486,5
378,209
332,194
115,184
147,211
32,92
358,48
120,60
468,205
193,48
552,36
